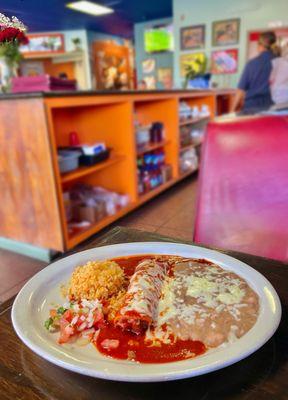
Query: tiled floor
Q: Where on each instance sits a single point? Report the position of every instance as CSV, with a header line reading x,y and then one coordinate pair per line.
x,y
171,214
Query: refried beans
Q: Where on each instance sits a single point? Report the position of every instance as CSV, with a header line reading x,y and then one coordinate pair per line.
x,y
204,302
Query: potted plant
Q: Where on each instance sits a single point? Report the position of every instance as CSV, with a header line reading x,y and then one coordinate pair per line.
x,y
77,43
12,35
196,76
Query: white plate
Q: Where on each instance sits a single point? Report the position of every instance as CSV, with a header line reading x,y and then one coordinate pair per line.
x,y
31,308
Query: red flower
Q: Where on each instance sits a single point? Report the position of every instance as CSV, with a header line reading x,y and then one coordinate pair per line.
x,y
13,34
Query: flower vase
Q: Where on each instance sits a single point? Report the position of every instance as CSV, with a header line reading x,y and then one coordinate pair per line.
x,y
199,82
7,72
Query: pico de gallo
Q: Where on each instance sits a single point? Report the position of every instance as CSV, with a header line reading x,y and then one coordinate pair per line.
x,y
76,319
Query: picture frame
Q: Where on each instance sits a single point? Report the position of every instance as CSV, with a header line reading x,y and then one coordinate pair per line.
x,y
150,82
190,60
112,65
224,61
226,32
192,37
148,66
32,68
165,77
44,43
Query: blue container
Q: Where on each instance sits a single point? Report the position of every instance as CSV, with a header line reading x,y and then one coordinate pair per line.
x,y
201,82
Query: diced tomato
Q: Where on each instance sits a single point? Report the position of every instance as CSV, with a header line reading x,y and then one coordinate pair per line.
x,y
98,319
69,330
80,324
68,315
110,344
66,331
53,313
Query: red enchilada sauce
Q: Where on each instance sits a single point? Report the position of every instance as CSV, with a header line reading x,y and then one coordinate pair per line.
x,y
128,346
132,347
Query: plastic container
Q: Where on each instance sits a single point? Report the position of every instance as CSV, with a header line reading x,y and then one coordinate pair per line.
x,y
68,160
88,159
156,132
92,159
142,136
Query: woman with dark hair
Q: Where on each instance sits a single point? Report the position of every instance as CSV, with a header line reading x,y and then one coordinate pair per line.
x,y
253,89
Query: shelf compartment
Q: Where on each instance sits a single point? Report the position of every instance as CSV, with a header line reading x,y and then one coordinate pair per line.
x,y
161,188
84,233
190,121
166,112
151,147
83,171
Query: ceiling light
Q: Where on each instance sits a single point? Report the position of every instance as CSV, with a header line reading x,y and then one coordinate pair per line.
x,y
89,7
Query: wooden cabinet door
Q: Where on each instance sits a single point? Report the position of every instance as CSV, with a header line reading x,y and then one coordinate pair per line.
x,y
29,209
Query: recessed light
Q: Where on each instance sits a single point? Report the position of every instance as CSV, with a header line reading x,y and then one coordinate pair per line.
x,y
89,7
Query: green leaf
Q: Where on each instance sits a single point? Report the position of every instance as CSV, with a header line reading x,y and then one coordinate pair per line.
x,y
48,323
61,310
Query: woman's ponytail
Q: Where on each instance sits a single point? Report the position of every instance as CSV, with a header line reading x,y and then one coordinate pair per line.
x,y
268,41
276,50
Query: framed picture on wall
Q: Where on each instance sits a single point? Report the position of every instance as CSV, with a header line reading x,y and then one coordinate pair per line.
x,y
111,65
224,61
192,37
225,33
148,66
193,60
150,82
32,68
44,43
164,76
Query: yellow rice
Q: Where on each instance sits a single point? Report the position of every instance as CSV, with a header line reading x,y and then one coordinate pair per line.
x,y
96,280
114,304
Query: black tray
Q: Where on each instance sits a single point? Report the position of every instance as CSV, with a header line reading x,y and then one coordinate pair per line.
x,y
89,160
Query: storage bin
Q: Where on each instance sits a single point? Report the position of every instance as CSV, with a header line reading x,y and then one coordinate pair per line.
x,y
89,160
68,160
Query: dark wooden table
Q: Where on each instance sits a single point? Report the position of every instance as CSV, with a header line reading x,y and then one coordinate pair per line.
x,y
263,375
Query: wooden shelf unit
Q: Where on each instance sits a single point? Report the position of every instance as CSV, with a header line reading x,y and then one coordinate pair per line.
x,y
43,123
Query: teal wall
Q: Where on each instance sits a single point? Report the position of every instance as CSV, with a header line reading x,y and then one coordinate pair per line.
x,y
254,14
163,60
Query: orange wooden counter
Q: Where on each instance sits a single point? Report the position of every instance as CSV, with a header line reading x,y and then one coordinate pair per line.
x,y
33,125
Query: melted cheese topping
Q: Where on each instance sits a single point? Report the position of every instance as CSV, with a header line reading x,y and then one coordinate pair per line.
x,y
145,289
210,293
235,296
